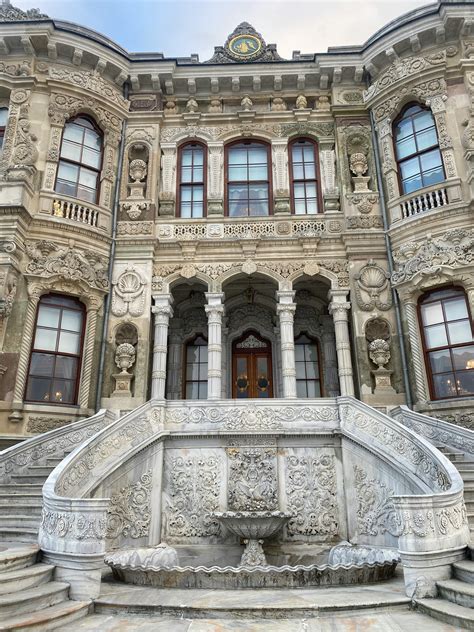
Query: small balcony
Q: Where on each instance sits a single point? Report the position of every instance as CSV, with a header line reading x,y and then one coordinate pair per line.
x,y
426,200
75,212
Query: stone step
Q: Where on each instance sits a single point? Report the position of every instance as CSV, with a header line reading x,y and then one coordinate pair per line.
x,y
7,489
447,612
29,479
455,457
33,599
19,534
16,556
457,592
465,466
19,520
54,617
464,571
41,470
18,498
31,508
467,475
468,495
25,578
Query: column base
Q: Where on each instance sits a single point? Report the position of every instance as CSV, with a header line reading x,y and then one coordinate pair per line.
x,y
422,570
82,572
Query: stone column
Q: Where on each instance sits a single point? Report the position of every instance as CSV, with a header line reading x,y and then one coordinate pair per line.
x,y
331,381
281,185
109,167
437,104
286,313
168,179
87,362
215,311
389,165
215,197
24,357
339,308
411,313
175,368
163,312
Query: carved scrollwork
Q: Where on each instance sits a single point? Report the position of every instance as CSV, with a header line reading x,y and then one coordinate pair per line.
x,y
129,511
376,513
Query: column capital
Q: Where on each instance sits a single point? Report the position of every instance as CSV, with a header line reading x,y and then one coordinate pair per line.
x,y
339,308
285,296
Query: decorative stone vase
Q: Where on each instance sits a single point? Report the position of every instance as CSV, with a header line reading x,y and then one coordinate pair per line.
x,y
125,356
379,352
358,164
137,170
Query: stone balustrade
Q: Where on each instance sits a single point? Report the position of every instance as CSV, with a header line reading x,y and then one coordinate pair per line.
x,y
424,201
75,212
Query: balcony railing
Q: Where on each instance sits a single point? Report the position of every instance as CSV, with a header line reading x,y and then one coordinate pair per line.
x,y
424,201
75,212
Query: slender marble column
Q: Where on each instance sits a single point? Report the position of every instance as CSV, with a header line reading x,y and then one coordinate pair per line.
x,y
331,379
339,308
87,364
411,314
26,341
175,368
286,313
163,312
215,311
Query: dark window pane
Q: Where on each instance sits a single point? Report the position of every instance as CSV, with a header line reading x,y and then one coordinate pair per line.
x,y
465,383
463,358
440,361
66,367
444,385
38,389
42,364
63,391
301,390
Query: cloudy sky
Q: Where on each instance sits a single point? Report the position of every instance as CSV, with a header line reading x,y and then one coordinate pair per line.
x,y
177,27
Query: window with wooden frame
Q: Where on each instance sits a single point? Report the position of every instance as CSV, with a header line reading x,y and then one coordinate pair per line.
x,y
55,360
248,179
308,367
80,160
304,177
3,124
417,149
191,181
448,343
195,383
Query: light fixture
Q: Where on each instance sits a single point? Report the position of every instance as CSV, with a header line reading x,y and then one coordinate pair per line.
x,y
470,363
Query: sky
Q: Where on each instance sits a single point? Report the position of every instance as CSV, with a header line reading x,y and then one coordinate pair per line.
x,y
179,28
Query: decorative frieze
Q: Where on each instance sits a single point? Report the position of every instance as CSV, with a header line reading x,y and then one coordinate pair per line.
x,y
376,513
88,81
252,484
129,511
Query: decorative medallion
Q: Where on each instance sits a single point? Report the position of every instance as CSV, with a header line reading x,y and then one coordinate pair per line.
x,y
245,46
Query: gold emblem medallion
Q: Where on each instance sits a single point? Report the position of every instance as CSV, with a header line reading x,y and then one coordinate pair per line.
x,y
245,46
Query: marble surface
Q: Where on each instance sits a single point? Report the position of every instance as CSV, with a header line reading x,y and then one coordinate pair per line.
x,y
395,621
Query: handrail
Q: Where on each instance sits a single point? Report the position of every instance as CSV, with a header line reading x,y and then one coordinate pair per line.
x,y
54,443
436,431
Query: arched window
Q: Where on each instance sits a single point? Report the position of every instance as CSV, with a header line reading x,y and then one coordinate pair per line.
x,y
248,179
55,361
80,160
416,149
3,124
448,342
196,369
304,175
308,371
192,160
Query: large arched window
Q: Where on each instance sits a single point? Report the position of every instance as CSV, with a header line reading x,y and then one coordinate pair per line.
x,y
3,124
248,179
304,176
55,361
448,342
195,385
192,170
416,149
80,160
308,367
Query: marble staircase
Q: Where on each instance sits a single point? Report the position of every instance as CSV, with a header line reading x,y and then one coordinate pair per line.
x,y
29,598
465,466
21,501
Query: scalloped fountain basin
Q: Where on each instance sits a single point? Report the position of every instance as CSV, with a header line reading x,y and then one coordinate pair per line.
x,y
347,565
254,527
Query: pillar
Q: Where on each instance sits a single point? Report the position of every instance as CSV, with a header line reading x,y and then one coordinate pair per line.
x,y
175,361
215,311
338,308
163,312
88,361
286,314
411,313
331,379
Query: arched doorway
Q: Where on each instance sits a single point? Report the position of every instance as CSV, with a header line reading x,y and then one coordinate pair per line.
x,y
252,367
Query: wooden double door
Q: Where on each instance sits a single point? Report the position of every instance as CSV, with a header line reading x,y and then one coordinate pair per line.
x,y
252,367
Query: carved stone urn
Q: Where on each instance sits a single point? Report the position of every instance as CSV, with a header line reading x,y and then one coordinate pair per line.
x,y
254,527
359,166
137,170
124,358
379,353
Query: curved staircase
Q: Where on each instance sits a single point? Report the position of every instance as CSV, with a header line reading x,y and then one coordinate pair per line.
x,y
29,598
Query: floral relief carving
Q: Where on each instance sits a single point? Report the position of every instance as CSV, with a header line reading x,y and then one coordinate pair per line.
x,y
453,249
372,288
252,484
48,259
62,107
363,223
129,511
38,425
420,91
194,489
134,228
128,293
311,489
90,81
73,526
376,513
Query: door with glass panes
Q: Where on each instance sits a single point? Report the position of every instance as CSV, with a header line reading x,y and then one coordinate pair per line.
x,y
252,367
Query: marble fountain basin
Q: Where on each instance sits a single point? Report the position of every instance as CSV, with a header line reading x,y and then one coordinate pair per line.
x,y
344,565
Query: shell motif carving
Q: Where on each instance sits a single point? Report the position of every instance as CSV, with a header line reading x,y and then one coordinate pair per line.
x,y
128,293
372,288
